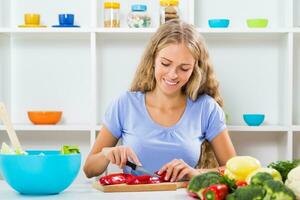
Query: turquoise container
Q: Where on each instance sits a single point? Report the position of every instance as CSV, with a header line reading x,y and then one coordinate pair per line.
x,y
40,172
254,119
218,23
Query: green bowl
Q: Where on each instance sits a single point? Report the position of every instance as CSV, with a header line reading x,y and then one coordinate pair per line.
x,y
257,23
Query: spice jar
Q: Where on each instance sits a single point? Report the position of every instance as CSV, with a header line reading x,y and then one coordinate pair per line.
x,y
168,10
138,17
111,14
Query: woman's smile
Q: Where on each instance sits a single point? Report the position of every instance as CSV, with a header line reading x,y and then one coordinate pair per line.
x,y
171,83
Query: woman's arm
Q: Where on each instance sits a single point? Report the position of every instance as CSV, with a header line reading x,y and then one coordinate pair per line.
x,y
96,162
223,147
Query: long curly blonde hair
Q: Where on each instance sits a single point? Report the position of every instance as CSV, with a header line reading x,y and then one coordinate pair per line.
x,y
202,80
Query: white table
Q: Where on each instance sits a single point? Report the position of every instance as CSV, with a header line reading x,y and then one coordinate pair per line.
x,y
86,192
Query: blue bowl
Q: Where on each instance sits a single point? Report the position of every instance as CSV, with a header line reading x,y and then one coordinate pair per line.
x,y
36,174
254,119
66,19
218,23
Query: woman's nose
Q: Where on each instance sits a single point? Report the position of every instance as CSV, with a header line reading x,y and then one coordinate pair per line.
x,y
173,74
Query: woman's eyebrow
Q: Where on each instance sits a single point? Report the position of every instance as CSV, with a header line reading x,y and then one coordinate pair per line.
x,y
166,59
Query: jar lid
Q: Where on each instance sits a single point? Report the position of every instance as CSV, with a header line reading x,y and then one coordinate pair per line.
x,y
169,2
114,5
138,7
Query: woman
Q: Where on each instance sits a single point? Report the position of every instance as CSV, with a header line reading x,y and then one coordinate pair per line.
x,y
172,107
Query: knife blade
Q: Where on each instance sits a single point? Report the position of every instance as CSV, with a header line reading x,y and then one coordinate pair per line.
x,y
140,169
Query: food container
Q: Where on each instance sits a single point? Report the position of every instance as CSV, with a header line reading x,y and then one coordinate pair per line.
x,y
40,172
44,117
254,119
218,23
168,10
138,17
257,23
111,14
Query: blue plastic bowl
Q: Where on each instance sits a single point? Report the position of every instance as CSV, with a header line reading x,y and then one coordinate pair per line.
x,y
254,119
36,174
218,23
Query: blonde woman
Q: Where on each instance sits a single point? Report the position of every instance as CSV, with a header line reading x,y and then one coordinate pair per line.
x,y
173,105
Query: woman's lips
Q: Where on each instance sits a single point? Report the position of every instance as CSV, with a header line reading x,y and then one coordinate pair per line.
x,y
171,83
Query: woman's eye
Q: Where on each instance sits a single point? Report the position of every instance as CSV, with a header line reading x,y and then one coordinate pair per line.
x,y
165,64
183,69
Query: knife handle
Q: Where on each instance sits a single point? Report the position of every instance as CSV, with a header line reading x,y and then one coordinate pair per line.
x,y
130,164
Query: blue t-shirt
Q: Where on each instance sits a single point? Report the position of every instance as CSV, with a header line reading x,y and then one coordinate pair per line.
x,y
127,118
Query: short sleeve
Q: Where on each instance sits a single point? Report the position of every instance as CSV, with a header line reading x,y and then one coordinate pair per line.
x,y
215,121
113,117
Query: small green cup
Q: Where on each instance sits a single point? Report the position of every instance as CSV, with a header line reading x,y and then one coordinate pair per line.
x,y
257,23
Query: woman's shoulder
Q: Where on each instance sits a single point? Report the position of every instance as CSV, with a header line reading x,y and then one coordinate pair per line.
x,y
204,99
129,96
205,102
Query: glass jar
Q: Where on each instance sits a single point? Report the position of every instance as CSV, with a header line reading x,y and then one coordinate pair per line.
x,y
138,17
168,10
111,14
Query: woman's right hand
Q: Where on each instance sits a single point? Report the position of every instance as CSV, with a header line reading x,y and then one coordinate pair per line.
x,y
119,155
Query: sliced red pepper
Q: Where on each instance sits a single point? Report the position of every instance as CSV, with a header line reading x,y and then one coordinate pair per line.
x,y
162,176
144,179
113,179
215,192
240,184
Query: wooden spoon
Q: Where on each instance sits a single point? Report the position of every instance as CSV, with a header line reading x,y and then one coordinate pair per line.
x,y
9,128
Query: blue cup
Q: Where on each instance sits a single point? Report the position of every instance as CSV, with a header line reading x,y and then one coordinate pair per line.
x,y
66,19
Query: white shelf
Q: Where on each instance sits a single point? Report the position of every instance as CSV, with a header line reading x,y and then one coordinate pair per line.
x,y
29,127
261,31
296,30
258,128
50,30
296,128
125,30
245,30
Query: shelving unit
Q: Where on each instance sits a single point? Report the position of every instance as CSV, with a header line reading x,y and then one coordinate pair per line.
x,y
80,70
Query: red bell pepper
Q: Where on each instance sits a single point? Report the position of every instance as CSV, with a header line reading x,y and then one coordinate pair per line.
x,y
162,176
113,179
130,179
144,179
215,192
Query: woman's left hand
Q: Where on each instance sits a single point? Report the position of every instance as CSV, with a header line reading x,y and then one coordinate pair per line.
x,y
177,169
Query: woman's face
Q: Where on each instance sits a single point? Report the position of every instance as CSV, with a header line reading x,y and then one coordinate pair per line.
x,y
174,65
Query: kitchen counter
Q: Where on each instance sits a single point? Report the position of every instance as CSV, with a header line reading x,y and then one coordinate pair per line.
x,y
85,191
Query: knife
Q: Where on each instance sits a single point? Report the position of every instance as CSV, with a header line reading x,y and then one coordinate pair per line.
x,y
140,169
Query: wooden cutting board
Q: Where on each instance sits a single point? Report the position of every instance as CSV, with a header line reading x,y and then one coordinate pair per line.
x,y
139,187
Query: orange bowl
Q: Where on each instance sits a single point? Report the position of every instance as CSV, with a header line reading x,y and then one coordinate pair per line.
x,y
44,117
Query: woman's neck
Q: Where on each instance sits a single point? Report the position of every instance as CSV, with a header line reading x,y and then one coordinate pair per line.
x,y
159,100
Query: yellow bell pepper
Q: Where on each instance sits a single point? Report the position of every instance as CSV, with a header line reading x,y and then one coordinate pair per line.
x,y
239,167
